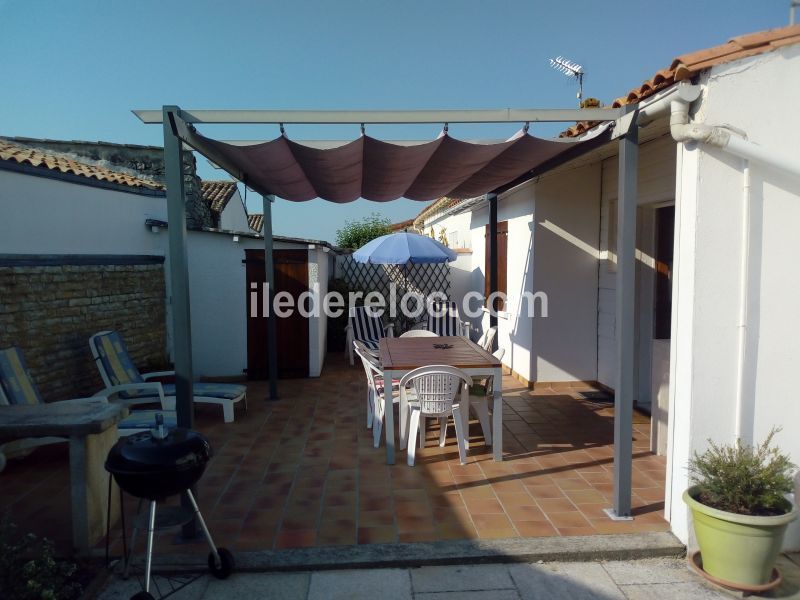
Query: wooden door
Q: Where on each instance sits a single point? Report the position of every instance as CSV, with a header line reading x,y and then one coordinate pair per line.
x,y
291,275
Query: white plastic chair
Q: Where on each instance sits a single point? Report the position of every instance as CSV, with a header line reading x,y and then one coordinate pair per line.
x,y
486,341
376,394
419,333
435,388
480,395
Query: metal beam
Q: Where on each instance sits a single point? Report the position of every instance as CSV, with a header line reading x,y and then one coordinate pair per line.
x,y
626,322
179,272
492,256
187,134
179,283
272,321
357,117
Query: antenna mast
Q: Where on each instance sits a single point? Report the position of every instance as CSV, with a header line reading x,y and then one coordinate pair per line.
x,y
570,69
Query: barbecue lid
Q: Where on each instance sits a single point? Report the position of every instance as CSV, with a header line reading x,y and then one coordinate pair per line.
x,y
179,449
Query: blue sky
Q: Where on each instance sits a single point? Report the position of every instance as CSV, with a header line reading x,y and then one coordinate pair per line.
x,y
74,70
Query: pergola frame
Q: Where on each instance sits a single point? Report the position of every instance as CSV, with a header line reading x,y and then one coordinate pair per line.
x,y
179,129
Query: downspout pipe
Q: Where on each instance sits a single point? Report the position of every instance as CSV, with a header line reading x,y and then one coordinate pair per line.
x,y
725,138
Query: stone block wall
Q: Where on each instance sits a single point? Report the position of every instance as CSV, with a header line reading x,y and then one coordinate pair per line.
x,y
50,312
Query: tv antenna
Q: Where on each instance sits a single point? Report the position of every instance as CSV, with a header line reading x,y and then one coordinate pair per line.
x,y
570,69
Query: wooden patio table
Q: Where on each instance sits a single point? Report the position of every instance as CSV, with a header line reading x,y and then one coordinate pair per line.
x,y
401,355
91,427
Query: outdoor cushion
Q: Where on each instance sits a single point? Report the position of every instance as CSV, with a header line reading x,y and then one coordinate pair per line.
x,y
18,386
366,327
444,319
116,360
230,391
371,344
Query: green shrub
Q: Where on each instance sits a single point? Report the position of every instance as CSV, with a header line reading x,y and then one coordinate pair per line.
x,y
355,234
743,479
29,569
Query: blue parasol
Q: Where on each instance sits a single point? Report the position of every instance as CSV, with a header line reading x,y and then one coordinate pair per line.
x,y
403,248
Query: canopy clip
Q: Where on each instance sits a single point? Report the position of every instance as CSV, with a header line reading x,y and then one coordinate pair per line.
x,y
283,131
526,127
446,127
363,129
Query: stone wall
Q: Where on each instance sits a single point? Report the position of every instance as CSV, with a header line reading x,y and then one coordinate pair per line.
x,y
51,311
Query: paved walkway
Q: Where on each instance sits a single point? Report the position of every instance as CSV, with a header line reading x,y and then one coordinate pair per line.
x,y
650,579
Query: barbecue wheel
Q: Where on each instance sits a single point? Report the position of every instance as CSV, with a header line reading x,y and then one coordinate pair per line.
x,y
226,563
143,596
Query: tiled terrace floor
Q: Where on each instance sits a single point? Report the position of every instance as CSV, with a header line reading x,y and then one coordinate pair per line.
x,y
302,472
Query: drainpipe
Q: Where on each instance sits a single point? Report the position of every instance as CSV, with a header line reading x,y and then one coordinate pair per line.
x,y
722,137
744,277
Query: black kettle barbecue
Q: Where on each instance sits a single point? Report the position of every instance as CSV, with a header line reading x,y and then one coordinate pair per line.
x,y
153,465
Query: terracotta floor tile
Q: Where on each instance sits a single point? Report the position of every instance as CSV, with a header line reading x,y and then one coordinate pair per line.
x,y
418,536
483,506
575,531
407,524
308,461
567,519
525,513
491,521
377,535
543,492
553,505
535,528
589,496
496,534
296,539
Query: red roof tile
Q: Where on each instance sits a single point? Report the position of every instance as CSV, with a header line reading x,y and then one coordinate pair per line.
x,y
691,64
65,163
218,193
256,221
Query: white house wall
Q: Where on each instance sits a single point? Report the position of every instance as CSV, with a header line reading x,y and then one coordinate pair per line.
x,y
234,217
758,95
656,183
52,216
558,256
565,253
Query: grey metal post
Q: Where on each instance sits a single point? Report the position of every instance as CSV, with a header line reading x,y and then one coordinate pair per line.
x,y
269,276
179,280
625,319
179,271
492,255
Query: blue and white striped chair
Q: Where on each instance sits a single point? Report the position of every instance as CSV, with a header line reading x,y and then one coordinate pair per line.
x,y
17,388
121,377
444,319
366,327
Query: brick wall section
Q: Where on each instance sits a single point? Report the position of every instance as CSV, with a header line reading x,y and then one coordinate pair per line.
x,y
51,311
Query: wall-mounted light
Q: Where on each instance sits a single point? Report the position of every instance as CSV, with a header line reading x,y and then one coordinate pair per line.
x,y
236,239
155,225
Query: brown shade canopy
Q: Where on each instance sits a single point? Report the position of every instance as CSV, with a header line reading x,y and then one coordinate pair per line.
x,y
381,171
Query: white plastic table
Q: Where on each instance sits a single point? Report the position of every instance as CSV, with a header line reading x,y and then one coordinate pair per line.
x,y
401,355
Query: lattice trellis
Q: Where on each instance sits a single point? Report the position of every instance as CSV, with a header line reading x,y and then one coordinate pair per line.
x,y
423,279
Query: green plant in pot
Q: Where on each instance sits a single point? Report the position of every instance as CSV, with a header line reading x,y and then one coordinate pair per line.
x,y
740,510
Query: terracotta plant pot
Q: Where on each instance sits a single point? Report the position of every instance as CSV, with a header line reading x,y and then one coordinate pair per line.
x,y
739,549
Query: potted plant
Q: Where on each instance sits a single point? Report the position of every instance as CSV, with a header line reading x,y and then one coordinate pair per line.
x,y
740,510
